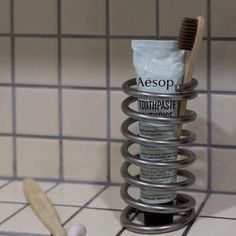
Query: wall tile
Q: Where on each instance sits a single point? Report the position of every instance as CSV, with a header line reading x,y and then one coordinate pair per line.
x,y
172,12
222,15
133,17
5,60
6,156
199,126
223,66
37,111
36,61
5,16
121,62
32,16
223,123
81,156
78,57
37,158
84,113
83,16
5,110
223,169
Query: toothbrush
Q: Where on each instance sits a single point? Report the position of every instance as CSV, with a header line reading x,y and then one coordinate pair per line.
x,y
46,212
190,38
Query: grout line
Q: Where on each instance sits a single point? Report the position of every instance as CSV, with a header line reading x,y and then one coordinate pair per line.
x,y
85,205
186,231
9,233
108,91
14,163
217,217
60,112
209,107
4,185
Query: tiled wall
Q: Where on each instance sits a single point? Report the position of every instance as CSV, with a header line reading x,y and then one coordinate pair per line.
x,y
62,63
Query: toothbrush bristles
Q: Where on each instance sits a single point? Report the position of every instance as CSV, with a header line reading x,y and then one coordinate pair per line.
x,y
187,34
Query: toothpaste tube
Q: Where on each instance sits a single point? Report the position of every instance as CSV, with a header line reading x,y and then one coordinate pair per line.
x,y
159,66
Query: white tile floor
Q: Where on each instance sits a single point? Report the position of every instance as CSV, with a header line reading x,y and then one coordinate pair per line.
x,y
99,207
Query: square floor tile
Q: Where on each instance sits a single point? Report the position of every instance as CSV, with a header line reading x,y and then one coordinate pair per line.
x,y
222,13
223,169
220,205
36,61
85,113
37,158
5,60
133,17
78,57
7,209
223,124
74,194
37,111
98,222
216,227
32,16
172,12
5,16
3,183
6,156
80,156
83,16
6,110
13,192
223,65
122,67
26,221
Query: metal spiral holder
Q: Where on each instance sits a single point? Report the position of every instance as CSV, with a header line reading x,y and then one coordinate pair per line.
x,y
183,206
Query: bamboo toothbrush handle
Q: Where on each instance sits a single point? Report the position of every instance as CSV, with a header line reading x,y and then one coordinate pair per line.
x,y
43,208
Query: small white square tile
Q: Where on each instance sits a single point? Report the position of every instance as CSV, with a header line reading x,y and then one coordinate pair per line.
x,y
84,113
220,205
13,192
223,169
5,60
37,158
5,110
83,16
78,57
223,65
37,111
222,14
133,17
32,16
122,67
216,227
199,126
80,156
223,124
199,168
4,16
26,221
117,159
74,194
98,222
172,12
6,156
36,61
7,209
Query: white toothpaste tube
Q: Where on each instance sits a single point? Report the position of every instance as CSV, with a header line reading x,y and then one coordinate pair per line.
x,y
159,66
